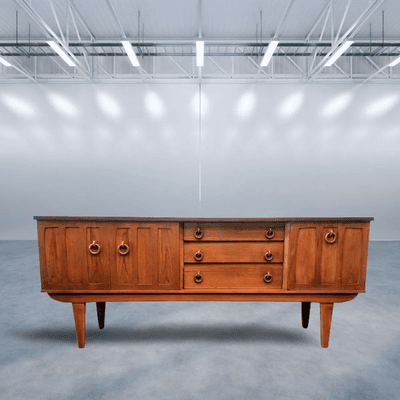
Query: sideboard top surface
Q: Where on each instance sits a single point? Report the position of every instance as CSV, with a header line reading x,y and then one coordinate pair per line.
x,y
170,219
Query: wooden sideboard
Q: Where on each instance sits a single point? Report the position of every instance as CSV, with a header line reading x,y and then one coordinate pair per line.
x,y
103,259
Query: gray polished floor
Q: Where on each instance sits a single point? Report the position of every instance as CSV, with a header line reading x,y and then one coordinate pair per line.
x,y
198,350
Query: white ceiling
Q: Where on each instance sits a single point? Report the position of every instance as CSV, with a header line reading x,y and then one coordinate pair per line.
x,y
172,21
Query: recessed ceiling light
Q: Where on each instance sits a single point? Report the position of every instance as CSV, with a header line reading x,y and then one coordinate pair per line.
x,y
5,62
131,54
394,62
339,52
268,54
200,53
61,53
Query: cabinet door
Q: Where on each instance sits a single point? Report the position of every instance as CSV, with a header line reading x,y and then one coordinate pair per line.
x,y
316,263
109,256
145,256
66,262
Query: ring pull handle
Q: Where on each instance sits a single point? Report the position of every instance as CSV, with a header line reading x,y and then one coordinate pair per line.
x,y
198,278
123,249
94,248
268,278
268,256
198,234
330,237
269,234
198,256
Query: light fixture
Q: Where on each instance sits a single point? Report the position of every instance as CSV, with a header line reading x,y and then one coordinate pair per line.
x,y
131,54
199,53
339,52
5,62
394,62
268,54
61,53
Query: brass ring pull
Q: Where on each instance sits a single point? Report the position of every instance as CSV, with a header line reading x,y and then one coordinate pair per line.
x,y
198,256
198,278
330,237
268,278
269,234
268,256
123,249
94,248
198,233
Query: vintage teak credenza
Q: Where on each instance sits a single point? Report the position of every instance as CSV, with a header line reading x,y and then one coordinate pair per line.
x,y
103,259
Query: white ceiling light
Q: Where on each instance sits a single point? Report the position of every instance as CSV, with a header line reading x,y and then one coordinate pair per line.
x,y
61,53
339,52
200,53
5,62
268,54
394,62
131,54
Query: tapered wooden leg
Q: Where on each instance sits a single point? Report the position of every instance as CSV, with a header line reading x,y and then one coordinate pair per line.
x,y
305,313
79,316
101,311
326,319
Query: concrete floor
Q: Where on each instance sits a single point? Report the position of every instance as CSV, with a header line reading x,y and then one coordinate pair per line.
x,y
198,350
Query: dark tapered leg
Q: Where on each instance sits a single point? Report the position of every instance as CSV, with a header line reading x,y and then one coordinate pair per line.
x,y
326,319
305,313
101,311
79,316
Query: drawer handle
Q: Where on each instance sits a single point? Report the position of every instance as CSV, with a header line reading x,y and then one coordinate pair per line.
x,y
94,248
268,278
268,256
198,233
198,278
198,256
269,234
123,249
330,237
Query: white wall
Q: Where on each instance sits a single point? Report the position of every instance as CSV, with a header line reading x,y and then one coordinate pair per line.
x,y
132,150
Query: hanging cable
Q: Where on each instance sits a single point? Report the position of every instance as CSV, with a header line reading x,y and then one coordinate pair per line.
x,y
199,150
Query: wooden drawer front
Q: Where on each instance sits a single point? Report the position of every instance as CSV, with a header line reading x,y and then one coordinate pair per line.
x,y
233,231
238,252
228,276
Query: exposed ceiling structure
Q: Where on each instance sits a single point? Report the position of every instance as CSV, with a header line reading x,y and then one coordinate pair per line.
x,y
236,35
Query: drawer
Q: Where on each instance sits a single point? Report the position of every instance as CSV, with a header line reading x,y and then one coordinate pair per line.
x,y
216,276
233,231
228,252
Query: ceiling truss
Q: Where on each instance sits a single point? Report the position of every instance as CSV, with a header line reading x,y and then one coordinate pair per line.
x,y
104,60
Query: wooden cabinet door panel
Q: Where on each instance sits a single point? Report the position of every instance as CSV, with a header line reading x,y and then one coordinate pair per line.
x,y
67,264
153,258
65,260
316,264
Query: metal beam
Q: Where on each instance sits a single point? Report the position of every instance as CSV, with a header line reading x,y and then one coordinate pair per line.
x,y
283,19
17,66
59,64
117,20
351,32
293,62
57,21
311,31
342,21
377,72
84,24
85,52
50,33
219,67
